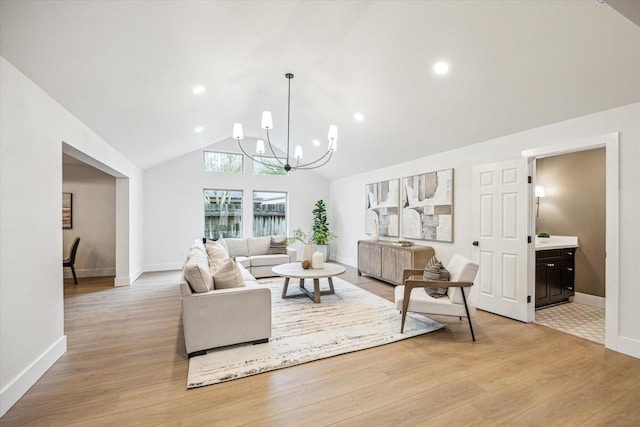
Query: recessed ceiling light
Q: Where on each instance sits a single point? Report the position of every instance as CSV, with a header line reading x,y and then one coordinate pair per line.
x,y
198,129
316,142
358,116
441,68
198,89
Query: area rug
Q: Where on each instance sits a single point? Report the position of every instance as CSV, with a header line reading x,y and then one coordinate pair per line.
x,y
352,319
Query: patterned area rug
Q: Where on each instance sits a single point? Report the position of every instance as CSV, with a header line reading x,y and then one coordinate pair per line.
x,y
302,331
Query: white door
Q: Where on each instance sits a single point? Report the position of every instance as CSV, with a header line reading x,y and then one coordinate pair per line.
x,y
500,209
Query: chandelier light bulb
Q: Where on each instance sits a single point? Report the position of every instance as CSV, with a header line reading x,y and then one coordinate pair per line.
x,y
237,131
298,152
260,146
267,121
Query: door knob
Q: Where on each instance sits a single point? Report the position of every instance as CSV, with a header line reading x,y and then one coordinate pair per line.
x,y
476,243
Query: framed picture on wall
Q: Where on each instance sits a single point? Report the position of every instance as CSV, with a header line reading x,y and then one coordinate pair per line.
x,y
427,206
67,213
382,207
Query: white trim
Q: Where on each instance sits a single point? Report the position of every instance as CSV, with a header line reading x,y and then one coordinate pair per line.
x,y
162,267
31,374
612,245
95,272
590,300
122,281
629,346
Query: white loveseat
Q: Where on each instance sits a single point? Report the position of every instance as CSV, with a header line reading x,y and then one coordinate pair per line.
x,y
259,254
219,316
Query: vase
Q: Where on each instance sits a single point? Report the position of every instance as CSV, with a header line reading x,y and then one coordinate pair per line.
x,y
375,235
317,260
307,252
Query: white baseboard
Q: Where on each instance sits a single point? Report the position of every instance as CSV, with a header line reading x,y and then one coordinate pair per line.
x,y
122,281
10,394
590,300
162,267
347,261
629,346
95,272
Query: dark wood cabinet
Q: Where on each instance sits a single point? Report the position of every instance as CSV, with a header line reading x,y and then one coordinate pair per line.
x,y
555,276
386,261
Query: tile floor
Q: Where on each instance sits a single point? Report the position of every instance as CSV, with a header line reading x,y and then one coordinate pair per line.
x,y
576,319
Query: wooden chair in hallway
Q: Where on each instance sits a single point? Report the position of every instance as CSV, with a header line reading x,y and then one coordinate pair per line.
x,y
70,262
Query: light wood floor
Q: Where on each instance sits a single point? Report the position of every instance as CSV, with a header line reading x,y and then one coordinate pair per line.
x,y
126,365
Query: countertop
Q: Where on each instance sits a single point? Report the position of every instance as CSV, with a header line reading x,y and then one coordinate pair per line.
x,y
556,242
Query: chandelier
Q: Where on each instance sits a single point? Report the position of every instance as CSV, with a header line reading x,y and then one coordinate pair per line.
x,y
275,162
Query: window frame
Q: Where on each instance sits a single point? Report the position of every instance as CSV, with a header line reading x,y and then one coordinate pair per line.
x,y
216,233
227,153
286,212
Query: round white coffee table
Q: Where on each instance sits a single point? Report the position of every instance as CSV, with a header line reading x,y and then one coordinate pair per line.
x,y
294,270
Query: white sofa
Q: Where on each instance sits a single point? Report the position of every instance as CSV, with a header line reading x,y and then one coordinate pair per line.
x,y
219,317
257,255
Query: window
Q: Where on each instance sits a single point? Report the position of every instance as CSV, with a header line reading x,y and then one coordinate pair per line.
x,y
222,213
269,213
260,169
222,162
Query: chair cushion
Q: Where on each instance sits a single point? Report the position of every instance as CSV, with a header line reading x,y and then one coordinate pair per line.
x,y
196,272
237,246
258,245
461,270
228,275
277,246
420,302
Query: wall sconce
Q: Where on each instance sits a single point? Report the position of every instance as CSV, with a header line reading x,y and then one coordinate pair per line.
x,y
539,193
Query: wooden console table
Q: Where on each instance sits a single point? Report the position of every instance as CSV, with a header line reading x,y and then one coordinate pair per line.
x,y
386,261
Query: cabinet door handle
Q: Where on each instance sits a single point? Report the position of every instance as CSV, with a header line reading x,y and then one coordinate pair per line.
x,y
569,269
551,265
476,243
569,253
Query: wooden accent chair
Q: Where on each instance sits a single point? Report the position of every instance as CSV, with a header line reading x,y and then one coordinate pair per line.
x,y
413,297
70,262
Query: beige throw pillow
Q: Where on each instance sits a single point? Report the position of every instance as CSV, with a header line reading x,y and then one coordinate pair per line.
x,y
215,251
277,247
228,275
197,273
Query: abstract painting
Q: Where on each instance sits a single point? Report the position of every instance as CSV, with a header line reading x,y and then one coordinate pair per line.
x,y
67,214
382,208
427,206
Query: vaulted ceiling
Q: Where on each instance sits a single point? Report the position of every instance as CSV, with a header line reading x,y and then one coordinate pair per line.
x,y
127,69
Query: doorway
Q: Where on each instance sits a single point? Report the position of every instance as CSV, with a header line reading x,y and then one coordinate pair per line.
x,y
610,144
570,202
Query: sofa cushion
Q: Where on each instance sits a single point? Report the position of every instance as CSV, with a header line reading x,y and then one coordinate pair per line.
x,y
197,244
258,245
216,251
237,246
197,274
269,260
244,261
228,275
277,246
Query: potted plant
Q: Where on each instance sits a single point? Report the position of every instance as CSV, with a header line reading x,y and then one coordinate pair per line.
x,y
321,235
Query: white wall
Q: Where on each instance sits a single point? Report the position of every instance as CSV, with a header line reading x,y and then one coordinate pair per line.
x,y
94,220
33,128
347,197
174,202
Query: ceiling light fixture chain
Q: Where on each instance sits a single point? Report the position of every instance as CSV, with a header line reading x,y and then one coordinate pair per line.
x,y
267,123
